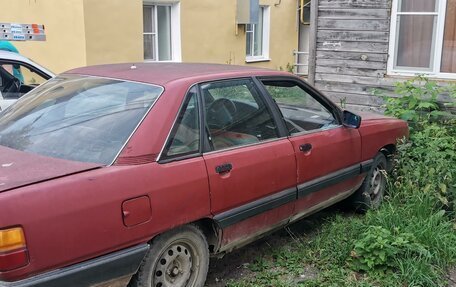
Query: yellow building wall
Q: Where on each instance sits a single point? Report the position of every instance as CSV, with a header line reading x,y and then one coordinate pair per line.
x,y
113,30
65,45
208,33
284,34
90,32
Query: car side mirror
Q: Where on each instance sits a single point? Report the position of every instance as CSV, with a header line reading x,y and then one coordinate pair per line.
x,y
351,120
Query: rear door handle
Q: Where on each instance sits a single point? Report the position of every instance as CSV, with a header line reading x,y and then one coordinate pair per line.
x,y
305,147
226,167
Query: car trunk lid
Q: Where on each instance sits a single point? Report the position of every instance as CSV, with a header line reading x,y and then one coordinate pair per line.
x,y
19,168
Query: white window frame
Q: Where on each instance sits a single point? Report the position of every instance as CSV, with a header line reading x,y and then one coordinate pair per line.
x,y
266,31
436,53
176,55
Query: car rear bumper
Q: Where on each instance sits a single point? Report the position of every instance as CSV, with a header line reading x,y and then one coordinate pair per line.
x,y
97,271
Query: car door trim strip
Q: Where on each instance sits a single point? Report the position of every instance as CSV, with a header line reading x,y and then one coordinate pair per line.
x,y
334,178
256,207
366,165
328,180
261,205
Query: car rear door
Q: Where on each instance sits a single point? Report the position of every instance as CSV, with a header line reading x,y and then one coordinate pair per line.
x,y
328,154
250,162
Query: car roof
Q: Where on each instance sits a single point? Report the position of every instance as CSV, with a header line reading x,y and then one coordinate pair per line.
x,y
163,73
7,55
12,56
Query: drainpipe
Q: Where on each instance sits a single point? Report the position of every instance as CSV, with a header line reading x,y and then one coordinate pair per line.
x,y
313,41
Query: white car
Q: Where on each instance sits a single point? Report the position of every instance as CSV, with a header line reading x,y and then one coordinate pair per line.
x,y
18,75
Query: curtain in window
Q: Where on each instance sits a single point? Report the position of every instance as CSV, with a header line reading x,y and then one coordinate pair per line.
x,y
417,6
449,39
416,34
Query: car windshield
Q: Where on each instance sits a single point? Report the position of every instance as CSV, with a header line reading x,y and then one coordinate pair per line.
x,y
77,118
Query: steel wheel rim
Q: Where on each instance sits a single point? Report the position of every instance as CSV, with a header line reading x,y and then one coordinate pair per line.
x,y
377,184
177,266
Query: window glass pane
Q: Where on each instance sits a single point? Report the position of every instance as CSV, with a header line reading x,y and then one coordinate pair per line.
x,y
418,6
30,78
415,44
258,44
306,12
164,32
300,110
249,39
77,118
10,79
149,47
17,80
236,114
449,39
148,19
149,32
186,137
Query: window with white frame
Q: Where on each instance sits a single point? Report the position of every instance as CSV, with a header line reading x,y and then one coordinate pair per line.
x,y
161,32
257,37
423,37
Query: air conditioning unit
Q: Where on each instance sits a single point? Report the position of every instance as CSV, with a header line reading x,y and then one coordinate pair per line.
x,y
247,11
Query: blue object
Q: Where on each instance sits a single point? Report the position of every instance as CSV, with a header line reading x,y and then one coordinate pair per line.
x,y
7,46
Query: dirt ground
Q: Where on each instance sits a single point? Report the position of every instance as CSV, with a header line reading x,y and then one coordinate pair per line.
x,y
452,277
234,265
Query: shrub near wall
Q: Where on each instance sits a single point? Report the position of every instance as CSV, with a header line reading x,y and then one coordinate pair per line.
x,y
413,236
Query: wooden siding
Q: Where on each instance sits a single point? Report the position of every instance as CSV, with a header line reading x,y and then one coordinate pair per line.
x,y
352,51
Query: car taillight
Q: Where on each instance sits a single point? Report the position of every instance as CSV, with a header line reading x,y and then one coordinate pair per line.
x,y
13,249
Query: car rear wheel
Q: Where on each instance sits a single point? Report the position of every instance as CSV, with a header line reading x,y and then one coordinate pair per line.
x,y
178,258
370,194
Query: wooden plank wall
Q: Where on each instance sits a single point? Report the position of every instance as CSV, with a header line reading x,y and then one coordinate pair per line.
x,y
352,51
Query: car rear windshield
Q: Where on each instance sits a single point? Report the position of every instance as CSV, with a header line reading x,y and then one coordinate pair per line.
x,y
77,118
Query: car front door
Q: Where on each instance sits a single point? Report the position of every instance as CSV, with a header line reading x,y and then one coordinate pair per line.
x,y
328,154
250,162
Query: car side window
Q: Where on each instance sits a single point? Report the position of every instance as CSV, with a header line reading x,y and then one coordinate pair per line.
x,y
301,111
236,114
17,79
185,136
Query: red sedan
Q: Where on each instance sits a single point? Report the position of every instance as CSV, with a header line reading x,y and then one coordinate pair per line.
x,y
138,173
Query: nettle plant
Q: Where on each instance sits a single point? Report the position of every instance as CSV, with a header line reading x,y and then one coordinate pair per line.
x,y
429,157
379,249
422,188
418,100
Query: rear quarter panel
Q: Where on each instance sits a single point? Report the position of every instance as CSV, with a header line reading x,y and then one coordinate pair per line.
x,y
76,218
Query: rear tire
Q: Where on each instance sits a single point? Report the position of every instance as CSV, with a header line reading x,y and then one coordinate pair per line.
x,y
178,258
370,194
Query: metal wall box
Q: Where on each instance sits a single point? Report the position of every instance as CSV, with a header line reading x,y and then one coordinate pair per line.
x,y
247,11
22,32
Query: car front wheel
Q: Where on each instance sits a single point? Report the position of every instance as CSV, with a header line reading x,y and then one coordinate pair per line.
x,y
370,194
178,258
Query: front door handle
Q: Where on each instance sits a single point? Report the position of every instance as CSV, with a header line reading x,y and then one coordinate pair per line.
x,y
226,167
305,147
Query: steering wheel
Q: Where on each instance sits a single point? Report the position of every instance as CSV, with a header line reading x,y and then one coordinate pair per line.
x,y
14,86
221,113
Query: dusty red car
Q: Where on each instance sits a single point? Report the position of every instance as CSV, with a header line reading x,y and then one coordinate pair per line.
x,y
138,173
